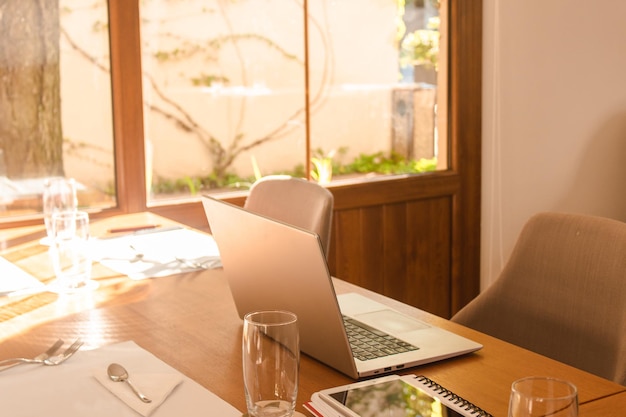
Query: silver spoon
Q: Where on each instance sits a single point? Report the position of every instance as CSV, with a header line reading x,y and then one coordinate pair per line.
x,y
117,373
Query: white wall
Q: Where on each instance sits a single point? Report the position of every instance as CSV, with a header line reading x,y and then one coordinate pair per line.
x,y
554,116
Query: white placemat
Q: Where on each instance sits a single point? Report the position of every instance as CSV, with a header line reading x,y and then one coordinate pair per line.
x,y
71,390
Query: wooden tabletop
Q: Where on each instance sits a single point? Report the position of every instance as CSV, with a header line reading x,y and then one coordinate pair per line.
x,y
190,322
611,406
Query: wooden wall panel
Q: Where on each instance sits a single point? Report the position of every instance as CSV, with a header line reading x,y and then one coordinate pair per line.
x,y
396,262
428,248
370,239
347,251
402,250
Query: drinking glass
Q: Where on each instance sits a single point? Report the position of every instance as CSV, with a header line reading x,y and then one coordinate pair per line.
x,y
59,194
271,358
69,251
542,397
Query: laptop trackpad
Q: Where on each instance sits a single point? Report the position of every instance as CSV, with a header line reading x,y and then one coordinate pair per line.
x,y
391,321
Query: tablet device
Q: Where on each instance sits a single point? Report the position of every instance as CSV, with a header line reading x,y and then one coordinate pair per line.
x,y
395,396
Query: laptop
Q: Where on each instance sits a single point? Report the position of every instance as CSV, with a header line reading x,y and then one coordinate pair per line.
x,y
271,265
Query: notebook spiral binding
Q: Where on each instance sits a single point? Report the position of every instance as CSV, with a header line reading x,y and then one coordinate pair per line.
x,y
452,397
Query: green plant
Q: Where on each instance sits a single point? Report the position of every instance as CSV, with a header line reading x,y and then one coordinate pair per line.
x,y
421,47
378,163
391,163
324,164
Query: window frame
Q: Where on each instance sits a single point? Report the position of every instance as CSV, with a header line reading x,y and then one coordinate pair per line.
x,y
126,82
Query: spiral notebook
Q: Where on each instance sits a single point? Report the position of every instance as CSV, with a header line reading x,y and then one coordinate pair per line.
x,y
388,396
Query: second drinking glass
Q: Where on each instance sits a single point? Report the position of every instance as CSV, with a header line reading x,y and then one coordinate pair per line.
x,y
271,358
542,397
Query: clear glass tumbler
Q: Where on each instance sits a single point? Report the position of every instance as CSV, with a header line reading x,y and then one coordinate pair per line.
x,y
543,396
69,251
59,194
271,358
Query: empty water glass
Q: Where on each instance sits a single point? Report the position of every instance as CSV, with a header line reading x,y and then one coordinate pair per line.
x,y
271,357
59,194
69,251
543,396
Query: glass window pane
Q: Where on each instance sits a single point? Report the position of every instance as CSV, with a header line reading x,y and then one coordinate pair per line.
x,y
55,108
374,83
223,92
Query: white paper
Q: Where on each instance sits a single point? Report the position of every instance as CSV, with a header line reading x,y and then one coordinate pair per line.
x,y
157,253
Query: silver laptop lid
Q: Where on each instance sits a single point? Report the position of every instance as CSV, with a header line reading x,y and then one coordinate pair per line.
x,y
271,265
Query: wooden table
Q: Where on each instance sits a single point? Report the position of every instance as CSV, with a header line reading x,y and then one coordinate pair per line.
x,y
190,322
611,406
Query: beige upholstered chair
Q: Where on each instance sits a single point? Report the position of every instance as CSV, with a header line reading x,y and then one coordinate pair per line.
x,y
294,201
562,294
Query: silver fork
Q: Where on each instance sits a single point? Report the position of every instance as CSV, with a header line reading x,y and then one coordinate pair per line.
x,y
191,263
59,359
54,360
41,357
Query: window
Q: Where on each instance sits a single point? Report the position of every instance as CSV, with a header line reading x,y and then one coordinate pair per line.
x,y
234,91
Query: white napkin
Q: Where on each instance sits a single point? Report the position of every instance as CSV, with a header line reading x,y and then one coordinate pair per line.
x,y
156,386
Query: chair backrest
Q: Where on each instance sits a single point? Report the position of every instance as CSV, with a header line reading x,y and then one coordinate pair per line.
x,y
294,201
562,294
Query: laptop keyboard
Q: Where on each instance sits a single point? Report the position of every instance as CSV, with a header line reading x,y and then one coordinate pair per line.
x,y
370,343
